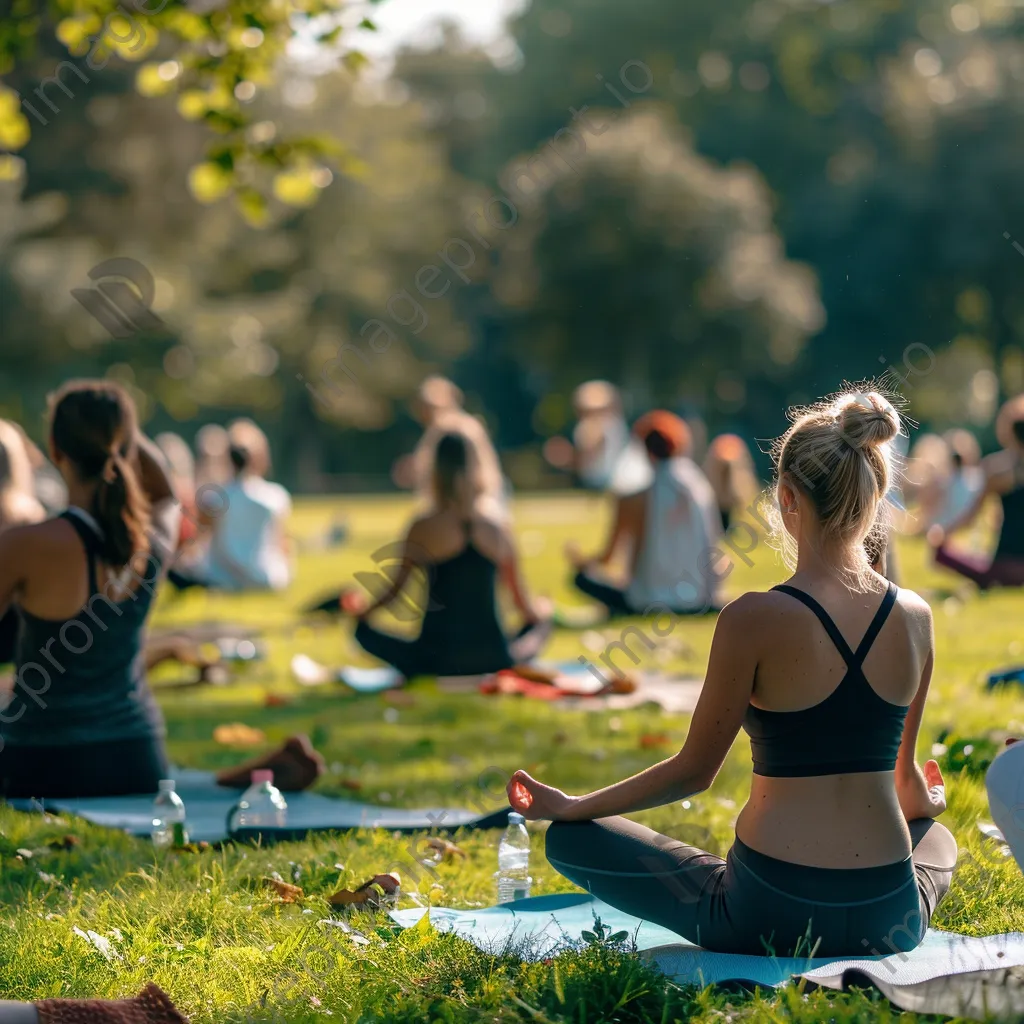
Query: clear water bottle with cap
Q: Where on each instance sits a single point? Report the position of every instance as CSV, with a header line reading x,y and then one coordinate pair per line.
x,y
514,861
168,828
262,805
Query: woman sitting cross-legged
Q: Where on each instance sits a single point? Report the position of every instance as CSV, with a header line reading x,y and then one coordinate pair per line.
x,y
836,851
82,720
670,529
1003,475
462,548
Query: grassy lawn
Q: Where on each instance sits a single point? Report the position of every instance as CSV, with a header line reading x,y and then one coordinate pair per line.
x,y
202,927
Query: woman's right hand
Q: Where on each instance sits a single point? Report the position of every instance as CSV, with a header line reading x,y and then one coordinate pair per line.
x,y
923,795
536,801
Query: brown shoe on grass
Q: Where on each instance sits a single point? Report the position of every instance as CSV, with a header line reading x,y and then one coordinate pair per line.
x,y
151,1006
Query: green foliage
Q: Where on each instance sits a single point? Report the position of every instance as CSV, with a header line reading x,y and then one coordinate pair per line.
x,y
212,56
685,275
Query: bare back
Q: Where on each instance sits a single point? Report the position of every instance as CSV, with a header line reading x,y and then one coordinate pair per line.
x,y
46,568
850,820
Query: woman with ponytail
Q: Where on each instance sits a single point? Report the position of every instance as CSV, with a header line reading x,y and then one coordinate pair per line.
x,y
458,552
82,720
837,850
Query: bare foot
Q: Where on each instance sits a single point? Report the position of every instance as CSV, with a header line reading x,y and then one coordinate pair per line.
x,y
296,766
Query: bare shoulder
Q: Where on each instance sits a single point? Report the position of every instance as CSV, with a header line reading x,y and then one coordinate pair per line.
x,y
33,542
916,610
495,536
750,613
998,466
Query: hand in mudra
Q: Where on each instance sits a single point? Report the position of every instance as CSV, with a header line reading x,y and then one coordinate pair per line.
x,y
926,797
537,802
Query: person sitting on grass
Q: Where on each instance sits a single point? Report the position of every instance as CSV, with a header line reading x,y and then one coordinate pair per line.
x,y
462,549
18,507
837,852
1004,783
1003,476
669,529
248,547
82,720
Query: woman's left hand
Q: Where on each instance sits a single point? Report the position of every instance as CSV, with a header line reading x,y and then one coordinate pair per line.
x,y
536,802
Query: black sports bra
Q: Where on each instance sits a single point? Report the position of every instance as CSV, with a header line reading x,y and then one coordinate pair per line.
x,y
851,730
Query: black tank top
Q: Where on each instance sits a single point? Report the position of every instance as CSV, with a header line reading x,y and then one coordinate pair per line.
x,y
82,680
461,622
851,730
1011,536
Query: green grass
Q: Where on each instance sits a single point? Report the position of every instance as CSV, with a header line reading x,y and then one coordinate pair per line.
x,y
201,926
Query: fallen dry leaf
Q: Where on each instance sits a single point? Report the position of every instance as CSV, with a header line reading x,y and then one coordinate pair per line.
x,y
448,850
238,734
275,700
68,842
289,893
654,739
369,894
199,847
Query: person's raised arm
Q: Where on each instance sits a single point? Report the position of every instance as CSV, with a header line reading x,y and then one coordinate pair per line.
x,y
993,470
921,791
154,473
625,527
717,718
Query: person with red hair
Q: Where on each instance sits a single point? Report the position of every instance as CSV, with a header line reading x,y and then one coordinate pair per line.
x,y
669,527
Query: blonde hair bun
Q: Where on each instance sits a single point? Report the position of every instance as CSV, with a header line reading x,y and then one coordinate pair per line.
x,y
867,420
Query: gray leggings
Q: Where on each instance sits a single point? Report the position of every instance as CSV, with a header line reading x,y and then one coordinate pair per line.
x,y
750,903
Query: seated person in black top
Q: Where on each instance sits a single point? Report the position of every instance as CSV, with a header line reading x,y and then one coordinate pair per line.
x,y
1004,477
459,550
837,850
82,720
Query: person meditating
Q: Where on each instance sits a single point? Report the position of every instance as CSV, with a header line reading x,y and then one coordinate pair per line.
x,y
82,720
463,548
669,529
836,851
1003,476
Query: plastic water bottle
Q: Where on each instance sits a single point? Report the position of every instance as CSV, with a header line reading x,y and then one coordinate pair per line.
x,y
168,828
262,805
514,861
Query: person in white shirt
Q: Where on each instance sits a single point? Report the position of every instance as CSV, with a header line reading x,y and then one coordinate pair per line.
x,y
248,546
669,528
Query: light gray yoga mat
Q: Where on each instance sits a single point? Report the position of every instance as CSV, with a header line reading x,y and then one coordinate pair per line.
x,y
947,973
207,806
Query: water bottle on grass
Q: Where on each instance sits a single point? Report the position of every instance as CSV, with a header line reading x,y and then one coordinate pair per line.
x,y
168,828
514,861
262,805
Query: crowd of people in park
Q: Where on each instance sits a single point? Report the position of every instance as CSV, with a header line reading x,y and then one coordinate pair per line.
x,y
828,674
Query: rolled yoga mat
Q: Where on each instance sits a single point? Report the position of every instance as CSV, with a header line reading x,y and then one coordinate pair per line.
x,y
208,805
948,973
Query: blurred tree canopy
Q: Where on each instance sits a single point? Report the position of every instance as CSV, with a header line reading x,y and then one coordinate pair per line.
x,y
723,207
890,133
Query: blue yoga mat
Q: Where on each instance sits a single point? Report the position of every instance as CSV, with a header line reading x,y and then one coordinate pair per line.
x,y
541,926
207,806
